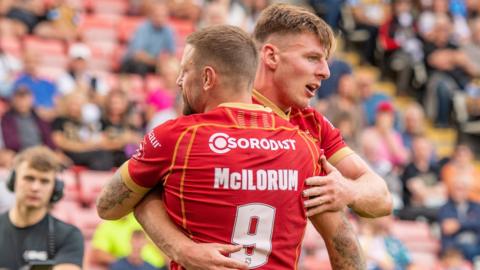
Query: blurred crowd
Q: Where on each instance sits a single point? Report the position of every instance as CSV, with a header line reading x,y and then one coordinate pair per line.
x,y
89,77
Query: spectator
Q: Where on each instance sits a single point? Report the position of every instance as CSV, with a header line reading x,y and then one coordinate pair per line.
x,y
134,260
460,220
413,123
390,146
44,92
21,127
385,169
403,52
423,193
328,10
370,98
472,48
369,15
348,128
449,68
111,241
452,259
10,66
81,142
26,15
215,13
189,10
7,199
61,22
152,42
462,166
78,77
30,235
345,101
118,132
338,69
383,250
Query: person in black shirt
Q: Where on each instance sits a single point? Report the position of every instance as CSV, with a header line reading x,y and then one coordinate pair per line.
x,y
29,235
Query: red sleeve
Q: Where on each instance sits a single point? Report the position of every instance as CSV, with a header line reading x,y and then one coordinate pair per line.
x,y
331,141
148,166
388,43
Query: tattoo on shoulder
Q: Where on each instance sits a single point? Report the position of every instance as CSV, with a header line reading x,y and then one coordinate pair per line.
x,y
349,254
115,194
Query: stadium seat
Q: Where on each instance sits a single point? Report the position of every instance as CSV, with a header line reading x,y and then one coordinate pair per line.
x,y
99,27
50,72
91,183
44,46
119,7
127,27
86,219
71,191
11,45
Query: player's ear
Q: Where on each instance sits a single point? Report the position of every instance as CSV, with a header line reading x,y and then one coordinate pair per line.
x,y
269,54
209,77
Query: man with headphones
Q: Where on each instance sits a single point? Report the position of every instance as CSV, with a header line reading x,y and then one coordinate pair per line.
x,y
30,238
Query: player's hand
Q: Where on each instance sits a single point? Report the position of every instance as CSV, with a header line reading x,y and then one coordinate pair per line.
x,y
210,257
331,192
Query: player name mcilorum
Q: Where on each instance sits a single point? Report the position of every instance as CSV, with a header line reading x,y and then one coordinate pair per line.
x,y
256,180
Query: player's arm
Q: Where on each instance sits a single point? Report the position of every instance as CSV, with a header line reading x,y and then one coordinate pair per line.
x,y
151,214
351,182
116,199
342,244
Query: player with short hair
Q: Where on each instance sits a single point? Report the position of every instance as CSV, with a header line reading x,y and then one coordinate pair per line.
x,y
294,45
233,171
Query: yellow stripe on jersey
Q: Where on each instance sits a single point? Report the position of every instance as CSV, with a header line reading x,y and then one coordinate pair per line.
x,y
246,106
268,103
335,158
182,180
128,181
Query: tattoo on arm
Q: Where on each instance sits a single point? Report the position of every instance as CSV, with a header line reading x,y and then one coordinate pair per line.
x,y
113,194
348,254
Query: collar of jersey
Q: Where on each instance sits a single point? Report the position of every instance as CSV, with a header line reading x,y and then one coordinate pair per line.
x,y
268,103
246,106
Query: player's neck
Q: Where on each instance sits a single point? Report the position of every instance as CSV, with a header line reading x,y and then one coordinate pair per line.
x,y
264,84
214,102
22,216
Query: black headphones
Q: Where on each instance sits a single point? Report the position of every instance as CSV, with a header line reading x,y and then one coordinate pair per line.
x,y
57,190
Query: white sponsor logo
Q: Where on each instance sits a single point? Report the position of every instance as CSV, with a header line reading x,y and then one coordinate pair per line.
x,y
222,143
256,180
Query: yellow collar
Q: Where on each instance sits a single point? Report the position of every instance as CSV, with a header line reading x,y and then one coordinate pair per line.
x,y
246,106
268,103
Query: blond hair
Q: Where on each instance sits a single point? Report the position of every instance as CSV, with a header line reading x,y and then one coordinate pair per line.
x,y
40,158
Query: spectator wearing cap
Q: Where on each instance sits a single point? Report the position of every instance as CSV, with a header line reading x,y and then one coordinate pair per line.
x,y
389,141
44,92
78,77
153,41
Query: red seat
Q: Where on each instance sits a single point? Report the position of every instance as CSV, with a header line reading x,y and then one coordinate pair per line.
x,y
87,220
128,26
44,46
71,191
109,6
99,27
91,183
50,72
11,45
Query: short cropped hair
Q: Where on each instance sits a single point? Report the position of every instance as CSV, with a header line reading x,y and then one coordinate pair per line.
x,y
228,49
289,19
40,158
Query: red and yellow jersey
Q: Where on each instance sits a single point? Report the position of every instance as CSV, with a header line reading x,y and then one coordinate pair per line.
x,y
232,175
325,135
